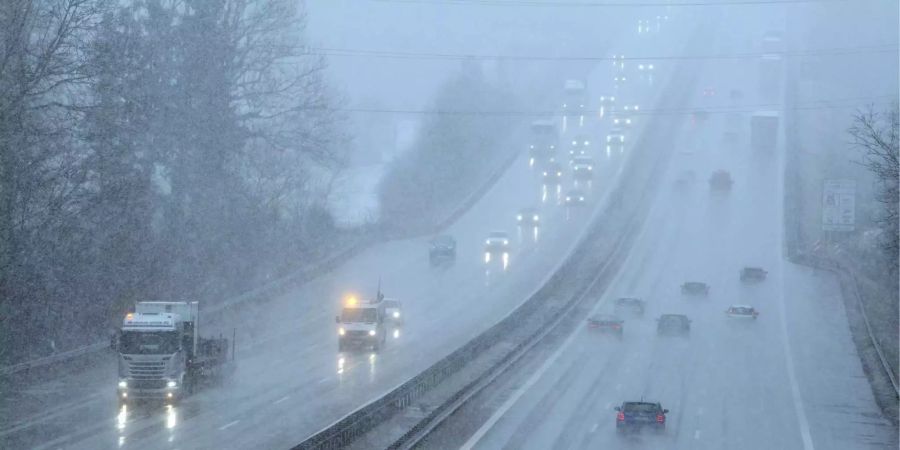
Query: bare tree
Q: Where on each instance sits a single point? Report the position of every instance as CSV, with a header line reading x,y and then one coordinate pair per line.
x,y
876,135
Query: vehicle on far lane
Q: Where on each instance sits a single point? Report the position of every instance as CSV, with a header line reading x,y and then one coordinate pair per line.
x,y
630,305
606,324
528,218
694,288
742,312
635,416
496,248
442,250
720,180
615,136
673,325
583,168
575,197
393,311
753,274
581,146
552,175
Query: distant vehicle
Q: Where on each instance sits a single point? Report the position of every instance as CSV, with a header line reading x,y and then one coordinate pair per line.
x,y
581,145
393,311
496,248
695,288
764,131
685,178
636,416
673,324
607,101
615,136
442,250
575,197
552,175
162,355
751,274
361,324
606,324
544,141
630,305
720,180
575,105
583,168
620,80
742,312
528,217
709,91
619,120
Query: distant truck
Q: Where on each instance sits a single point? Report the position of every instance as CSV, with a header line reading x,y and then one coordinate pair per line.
x,y
162,356
544,140
764,131
575,105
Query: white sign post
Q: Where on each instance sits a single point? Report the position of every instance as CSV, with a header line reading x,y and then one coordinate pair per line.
x,y
839,205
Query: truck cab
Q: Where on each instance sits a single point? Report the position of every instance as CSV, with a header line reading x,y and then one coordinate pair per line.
x,y
361,325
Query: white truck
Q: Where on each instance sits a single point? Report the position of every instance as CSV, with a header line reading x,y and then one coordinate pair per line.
x,y
362,324
161,354
764,131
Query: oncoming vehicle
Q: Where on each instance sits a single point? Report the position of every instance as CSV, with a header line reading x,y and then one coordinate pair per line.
x,y
630,305
581,145
606,324
615,136
544,139
575,105
393,311
720,180
742,312
636,416
575,197
583,168
753,274
695,288
442,250
673,325
496,248
528,217
361,325
552,174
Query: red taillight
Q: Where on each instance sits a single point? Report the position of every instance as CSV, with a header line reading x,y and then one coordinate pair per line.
x,y
616,327
620,417
660,418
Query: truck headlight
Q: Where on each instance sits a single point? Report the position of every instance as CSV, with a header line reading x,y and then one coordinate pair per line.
x,y
123,384
371,332
536,218
171,384
341,331
396,315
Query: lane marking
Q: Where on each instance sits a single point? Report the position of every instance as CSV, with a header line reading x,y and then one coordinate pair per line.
x,y
805,434
281,399
324,380
594,428
228,425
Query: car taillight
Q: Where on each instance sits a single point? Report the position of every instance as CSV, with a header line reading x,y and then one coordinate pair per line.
x,y
620,417
660,418
616,327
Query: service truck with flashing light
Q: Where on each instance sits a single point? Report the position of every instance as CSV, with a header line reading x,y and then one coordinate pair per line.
x,y
362,324
162,355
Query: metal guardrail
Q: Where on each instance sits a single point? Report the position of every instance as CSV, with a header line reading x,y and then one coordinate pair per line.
x,y
306,273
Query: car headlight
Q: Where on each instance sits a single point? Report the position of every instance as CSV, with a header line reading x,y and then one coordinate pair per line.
x,y
587,143
545,174
628,122
574,142
536,218
487,242
123,384
532,147
552,147
519,217
341,331
559,174
371,332
487,257
580,199
505,242
568,199
396,314
608,138
171,384
590,167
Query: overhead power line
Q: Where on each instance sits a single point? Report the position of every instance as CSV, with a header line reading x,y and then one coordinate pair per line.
x,y
824,104
392,54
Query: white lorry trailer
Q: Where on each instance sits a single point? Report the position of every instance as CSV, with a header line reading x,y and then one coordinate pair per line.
x,y
161,354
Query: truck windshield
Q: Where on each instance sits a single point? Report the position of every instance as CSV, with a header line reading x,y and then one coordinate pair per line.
x,y
366,315
148,342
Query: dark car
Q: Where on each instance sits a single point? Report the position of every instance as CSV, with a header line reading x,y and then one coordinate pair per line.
x,y
528,217
630,305
581,146
582,168
443,250
695,288
552,174
753,274
720,180
606,324
635,416
673,324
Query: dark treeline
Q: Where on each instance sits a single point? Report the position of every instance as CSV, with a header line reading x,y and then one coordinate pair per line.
x,y
153,149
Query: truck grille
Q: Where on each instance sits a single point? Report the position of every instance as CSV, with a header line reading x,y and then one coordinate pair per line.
x,y
358,333
146,370
148,384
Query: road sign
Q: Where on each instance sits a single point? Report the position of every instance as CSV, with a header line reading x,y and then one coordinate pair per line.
x,y
839,205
